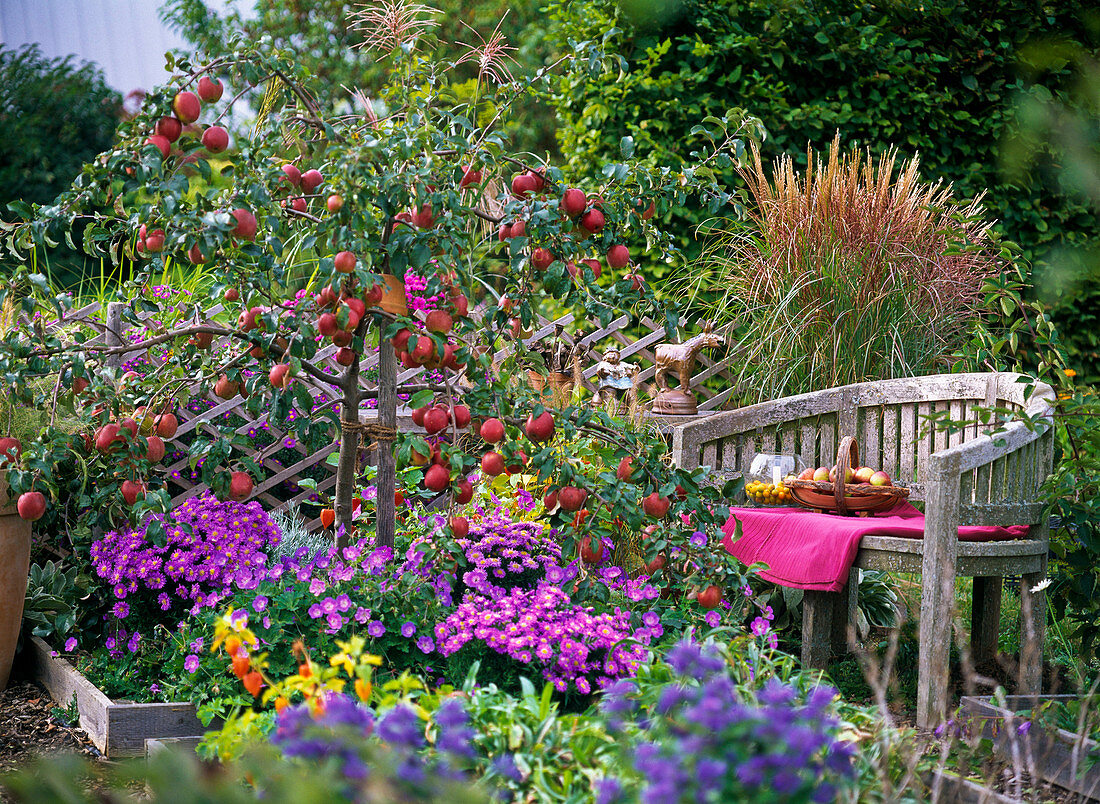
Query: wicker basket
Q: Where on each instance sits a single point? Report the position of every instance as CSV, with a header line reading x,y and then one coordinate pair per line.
x,y
845,498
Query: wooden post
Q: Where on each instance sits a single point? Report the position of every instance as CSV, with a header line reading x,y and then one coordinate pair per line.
x,y
348,466
1033,623
385,481
937,598
112,335
818,612
986,618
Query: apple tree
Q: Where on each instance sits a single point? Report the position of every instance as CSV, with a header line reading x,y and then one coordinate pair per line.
x,y
417,180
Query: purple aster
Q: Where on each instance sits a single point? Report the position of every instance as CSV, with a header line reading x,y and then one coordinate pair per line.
x,y
408,629
191,663
70,644
259,604
376,628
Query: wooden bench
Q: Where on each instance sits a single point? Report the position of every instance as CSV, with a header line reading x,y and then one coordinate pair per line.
x,y
982,475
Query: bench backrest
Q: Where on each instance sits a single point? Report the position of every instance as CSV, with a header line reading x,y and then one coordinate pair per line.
x,y
886,417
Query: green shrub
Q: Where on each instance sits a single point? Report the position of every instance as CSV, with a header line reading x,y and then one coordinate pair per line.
x,y
939,78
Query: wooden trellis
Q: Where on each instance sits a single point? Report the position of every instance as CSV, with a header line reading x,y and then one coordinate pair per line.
x,y
111,331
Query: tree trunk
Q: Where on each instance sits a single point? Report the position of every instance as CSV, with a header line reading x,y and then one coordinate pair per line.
x,y
348,467
386,479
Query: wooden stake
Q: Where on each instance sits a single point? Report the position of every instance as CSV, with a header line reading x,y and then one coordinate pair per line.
x,y
386,479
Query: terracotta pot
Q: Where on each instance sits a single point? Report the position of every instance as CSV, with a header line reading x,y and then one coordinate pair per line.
x,y
393,299
15,562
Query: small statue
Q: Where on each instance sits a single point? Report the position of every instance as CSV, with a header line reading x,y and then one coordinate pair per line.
x,y
557,356
680,358
613,377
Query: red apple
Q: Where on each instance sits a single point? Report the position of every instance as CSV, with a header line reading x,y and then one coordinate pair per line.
x,y
162,144
540,428
131,491
519,229
187,106
311,180
470,175
437,478
240,486
344,262
492,463
424,350
80,385
618,256
593,221
436,420
210,89
154,241
806,474
541,259
710,597
880,479
231,295
195,255
492,430
279,376
626,468
523,185
165,425
31,505
438,321
334,203
296,204
292,175
327,324
573,202
215,139
571,498
821,474
246,224
225,388
461,416
460,527
169,127
655,505
518,464
10,450
345,356
863,474
154,452
464,492
591,550
595,266
847,475
550,500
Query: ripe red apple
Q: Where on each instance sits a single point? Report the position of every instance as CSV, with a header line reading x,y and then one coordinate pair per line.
x,y
523,185
169,127
591,550
418,415
215,139
31,505
519,229
246,224
80,385
424,218
806,474
240,486
327,324
504,232
594,264
210,89
863,474
424,350
636,282
593,221
655,505
400,340
460,527
106,438
492,463
311,180
847,475
334,203
438,321
374,294
470,175
464,492
279,376
519,463
292,175
880,479
436,420
165,425
540,428
154,451
131,491
130,426
225,388
550,500
492,430
344,356
571,498
573,202
154,241
296,204
626,468
541,259
231,295
437,478
461,416
344,262
710,597
407,361
618,256
195,255
10,450
342,338
821,474
537,177
162,144
656,564
187,106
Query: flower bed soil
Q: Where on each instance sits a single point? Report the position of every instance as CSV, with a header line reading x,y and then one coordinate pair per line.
x,y
28,727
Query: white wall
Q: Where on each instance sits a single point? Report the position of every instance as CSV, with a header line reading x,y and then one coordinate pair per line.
x,y
124,37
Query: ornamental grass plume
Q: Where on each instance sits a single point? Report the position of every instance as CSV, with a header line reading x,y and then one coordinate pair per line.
x,y
848,272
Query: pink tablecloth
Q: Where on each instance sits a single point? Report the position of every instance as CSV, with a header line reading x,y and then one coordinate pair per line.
x,y
809,550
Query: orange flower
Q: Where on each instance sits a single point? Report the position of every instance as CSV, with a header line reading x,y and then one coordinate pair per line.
x,y
328,516
241,665
304,670
281,703
252,682
1070,373
362,689
232,645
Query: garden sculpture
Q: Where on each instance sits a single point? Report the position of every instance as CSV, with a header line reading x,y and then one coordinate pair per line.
x,y
613,377
680,358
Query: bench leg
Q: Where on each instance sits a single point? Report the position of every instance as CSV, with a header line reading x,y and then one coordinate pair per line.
x,y
844,613
818,614
985,618
1033,624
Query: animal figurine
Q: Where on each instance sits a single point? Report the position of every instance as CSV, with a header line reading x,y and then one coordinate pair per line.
x,y
679,358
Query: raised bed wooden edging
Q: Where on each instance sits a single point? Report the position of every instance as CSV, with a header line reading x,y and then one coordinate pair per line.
x,y
1056,755
117,729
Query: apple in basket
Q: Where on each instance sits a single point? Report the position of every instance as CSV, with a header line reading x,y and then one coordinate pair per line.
x,y
807,474
847,475
821,474
880,479
863,474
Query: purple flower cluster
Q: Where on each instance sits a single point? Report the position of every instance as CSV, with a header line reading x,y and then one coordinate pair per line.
x,y
209,548
339,729
542,627
700,741
505,555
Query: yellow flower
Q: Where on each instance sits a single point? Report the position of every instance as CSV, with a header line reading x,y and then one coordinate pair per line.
x,y
1070,373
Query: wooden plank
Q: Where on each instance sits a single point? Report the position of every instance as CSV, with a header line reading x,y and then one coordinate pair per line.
x,y
890,435
907,444
807,443
64,683
985,618
870,444
818,610
130,725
